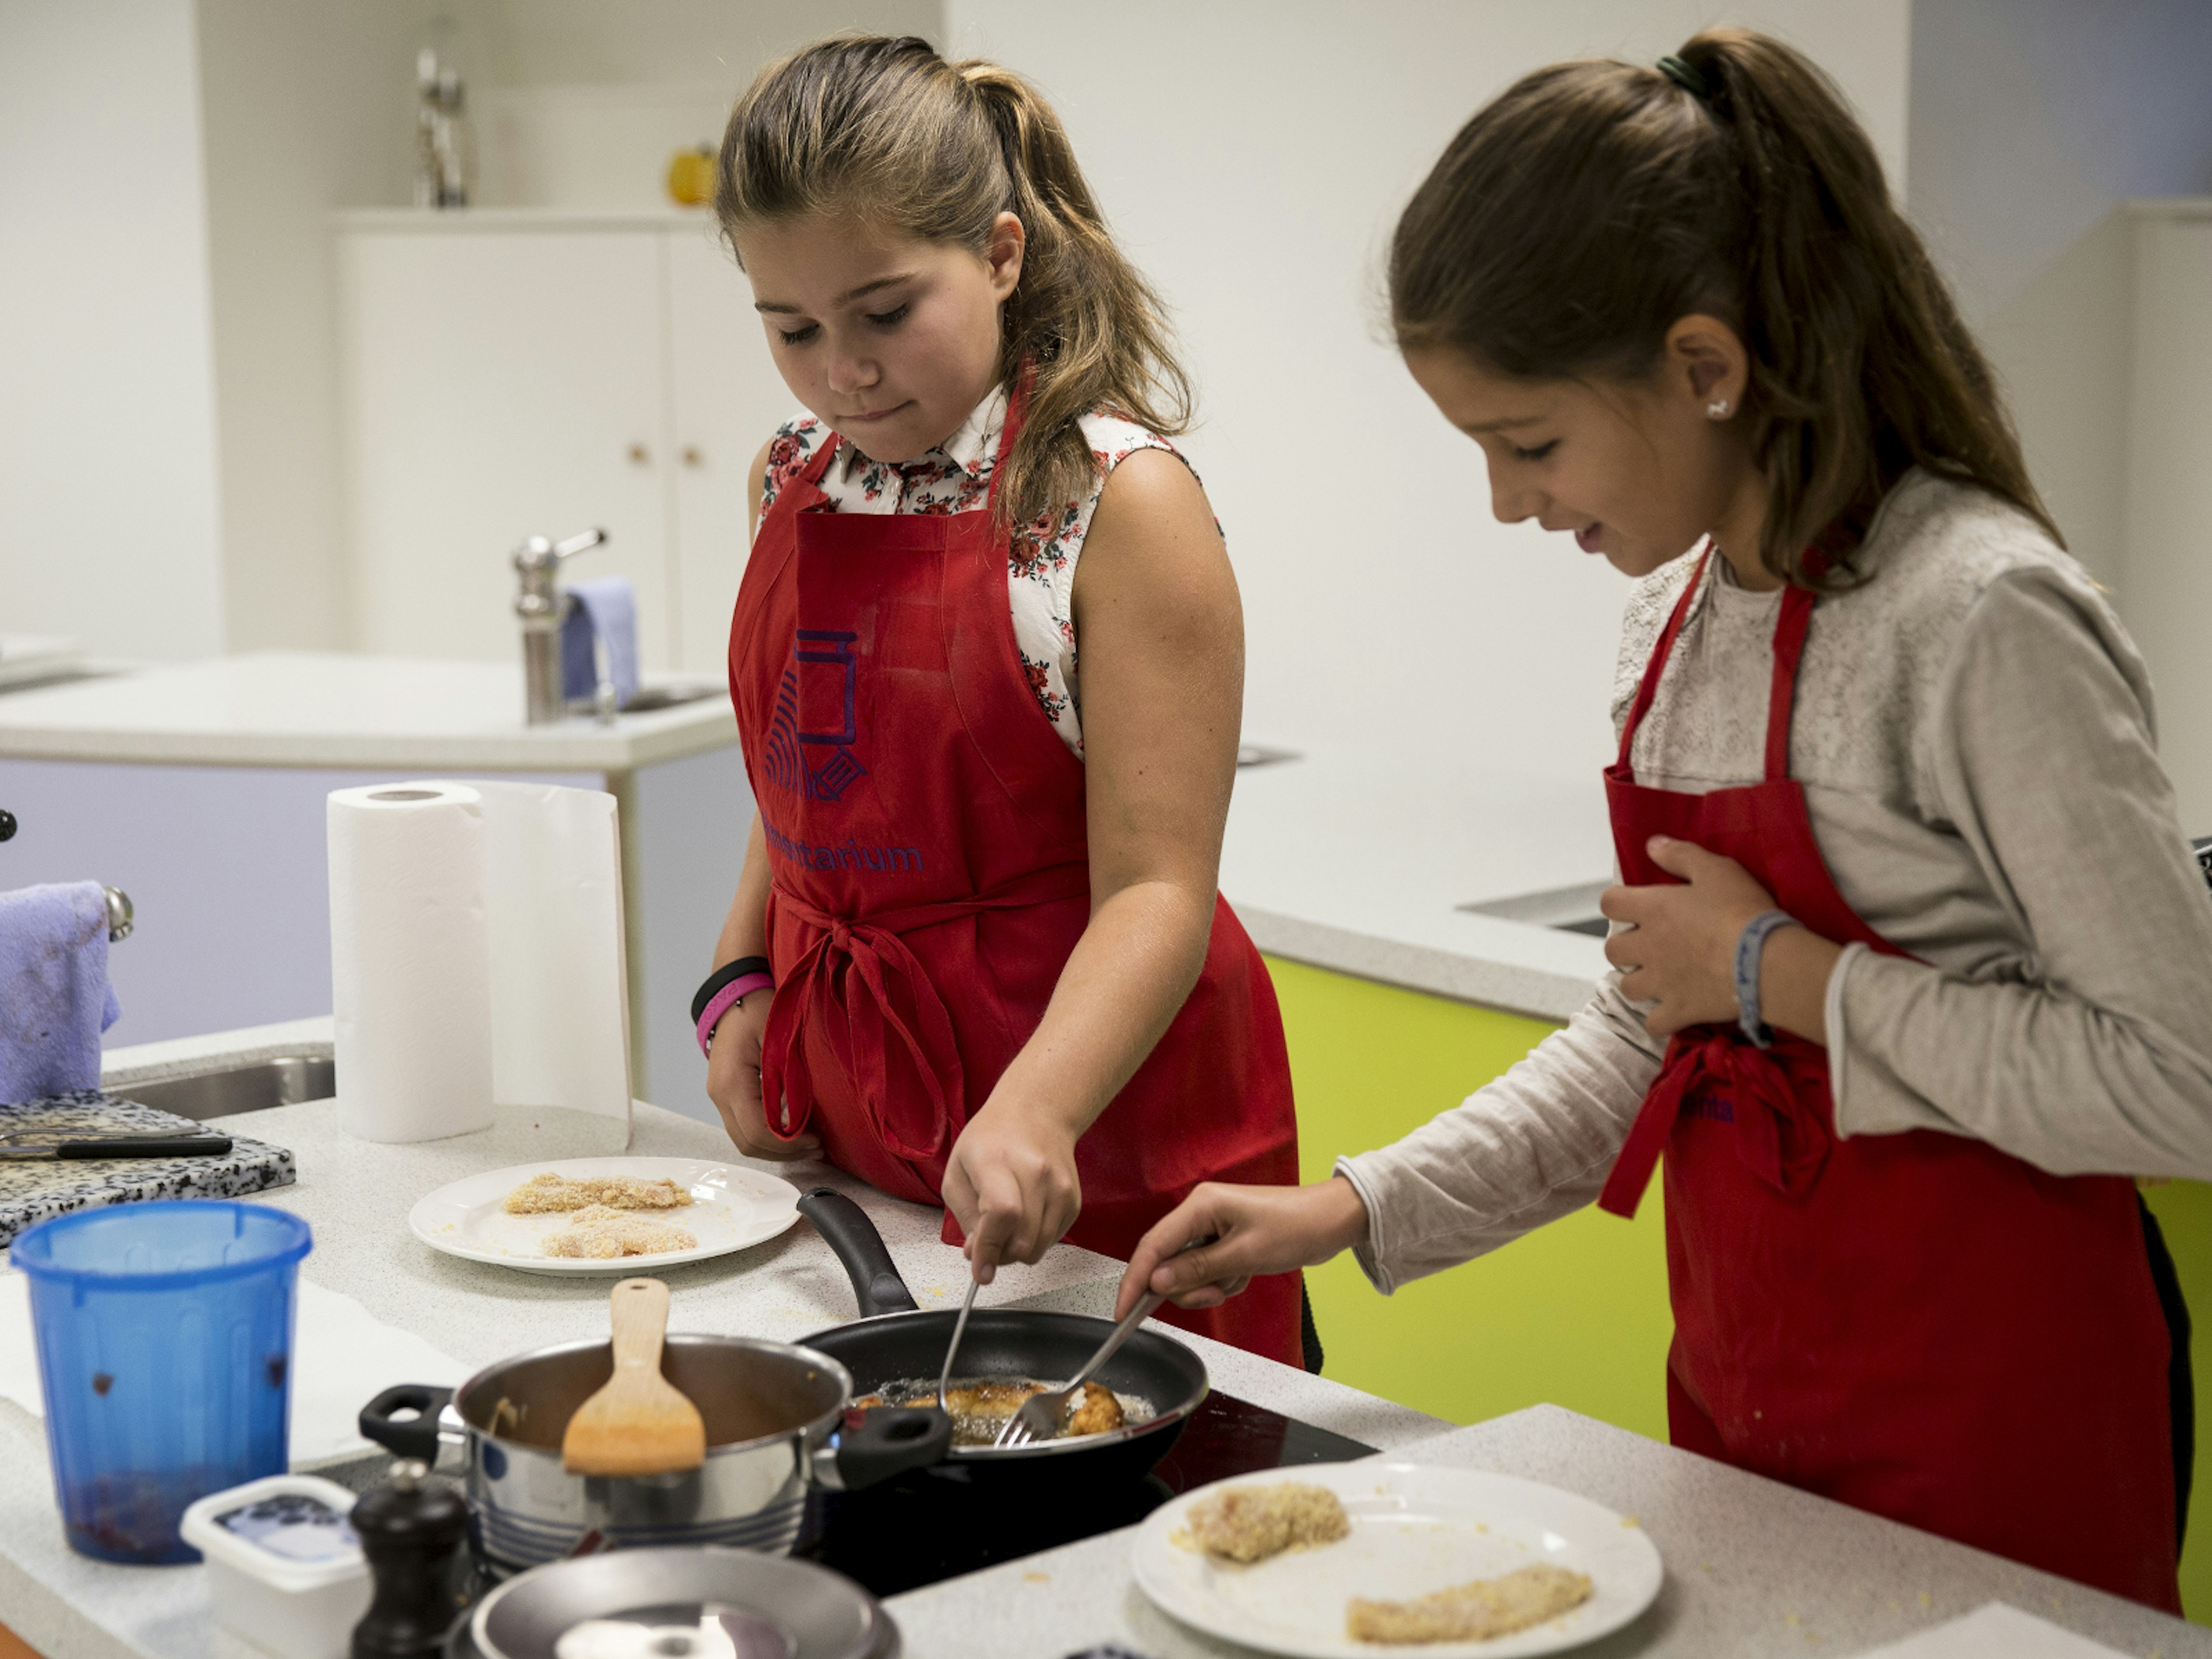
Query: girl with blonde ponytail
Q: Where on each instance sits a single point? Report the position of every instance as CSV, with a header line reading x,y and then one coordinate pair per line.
x,y
977,956
1911,958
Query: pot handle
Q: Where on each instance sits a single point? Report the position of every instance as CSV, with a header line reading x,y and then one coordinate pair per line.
x,y
873,1446
414,1436
844,1225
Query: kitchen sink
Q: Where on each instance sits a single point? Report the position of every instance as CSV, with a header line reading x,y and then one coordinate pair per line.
x,y
286,1080
1570,909
652,697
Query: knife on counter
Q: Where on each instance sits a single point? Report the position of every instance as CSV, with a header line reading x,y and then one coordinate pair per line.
x,y
158,1144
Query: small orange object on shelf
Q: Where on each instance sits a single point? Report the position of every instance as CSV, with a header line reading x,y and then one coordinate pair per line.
x,y
691,176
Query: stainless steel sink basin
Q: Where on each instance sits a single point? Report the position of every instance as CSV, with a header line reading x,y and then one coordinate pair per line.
x,y
1569,909
651,698
284,1081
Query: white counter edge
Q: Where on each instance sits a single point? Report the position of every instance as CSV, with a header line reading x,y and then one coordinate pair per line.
x,y
586,749
1488,981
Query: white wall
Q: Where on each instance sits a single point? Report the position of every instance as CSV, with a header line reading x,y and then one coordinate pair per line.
x,y
1253,156
721,42
309,107
579,103
2169,487
2032,121
2031,118
108,497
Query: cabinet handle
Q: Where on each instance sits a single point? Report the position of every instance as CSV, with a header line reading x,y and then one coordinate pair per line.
x,y
639,455
692,457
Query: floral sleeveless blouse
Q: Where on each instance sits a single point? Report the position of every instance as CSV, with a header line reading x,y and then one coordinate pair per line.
x,y
956,477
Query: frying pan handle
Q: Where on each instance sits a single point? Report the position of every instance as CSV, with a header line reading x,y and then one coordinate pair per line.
x,y
844,1225
883,1442
414,1436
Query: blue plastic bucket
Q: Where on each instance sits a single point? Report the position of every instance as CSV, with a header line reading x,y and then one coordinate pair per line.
x,y
165,1354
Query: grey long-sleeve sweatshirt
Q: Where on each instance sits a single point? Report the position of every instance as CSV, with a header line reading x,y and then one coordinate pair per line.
x,y
1975,735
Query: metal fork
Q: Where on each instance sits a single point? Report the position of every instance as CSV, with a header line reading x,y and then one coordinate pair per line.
x,y
1042,1415
959,1325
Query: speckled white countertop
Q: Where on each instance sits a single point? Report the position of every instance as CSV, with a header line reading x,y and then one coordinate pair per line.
x,y
1357,860
332,708
356,1195
1754,1569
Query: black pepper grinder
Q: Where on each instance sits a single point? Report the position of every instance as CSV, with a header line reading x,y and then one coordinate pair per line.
x,y
408,1527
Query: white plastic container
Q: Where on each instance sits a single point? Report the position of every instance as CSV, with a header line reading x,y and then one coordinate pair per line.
x,y
284,1570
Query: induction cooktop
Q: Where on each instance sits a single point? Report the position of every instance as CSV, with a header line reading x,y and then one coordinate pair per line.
x,y
921,1529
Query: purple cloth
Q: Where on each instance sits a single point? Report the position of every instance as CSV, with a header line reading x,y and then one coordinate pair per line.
x,y
55,1000
604,613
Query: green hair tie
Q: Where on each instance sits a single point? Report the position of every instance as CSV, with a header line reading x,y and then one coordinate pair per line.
x,y
1686,75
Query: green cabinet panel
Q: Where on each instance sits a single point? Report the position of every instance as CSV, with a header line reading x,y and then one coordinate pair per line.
x,y
2184,1209
1574,1313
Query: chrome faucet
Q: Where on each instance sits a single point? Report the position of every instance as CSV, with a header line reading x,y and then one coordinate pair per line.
x,y
543,608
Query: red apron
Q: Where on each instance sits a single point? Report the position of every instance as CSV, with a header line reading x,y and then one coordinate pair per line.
x,y
1917,1324
930,875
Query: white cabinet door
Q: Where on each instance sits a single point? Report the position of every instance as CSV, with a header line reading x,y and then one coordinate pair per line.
x,y
727,398
500,385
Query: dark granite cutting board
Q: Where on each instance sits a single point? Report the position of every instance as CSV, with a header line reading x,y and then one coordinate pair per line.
x,y
30,1192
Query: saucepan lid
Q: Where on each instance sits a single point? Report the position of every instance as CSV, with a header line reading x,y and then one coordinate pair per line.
x,y
682,1603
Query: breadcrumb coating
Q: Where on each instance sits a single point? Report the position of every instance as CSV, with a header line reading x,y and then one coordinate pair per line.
x,y
1471,1612
1250,1524
597,1233
549,1193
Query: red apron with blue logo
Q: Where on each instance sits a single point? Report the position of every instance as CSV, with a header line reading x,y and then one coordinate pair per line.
x,y
930,875
1917,1324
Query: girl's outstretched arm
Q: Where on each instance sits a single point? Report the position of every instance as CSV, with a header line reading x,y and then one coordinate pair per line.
x,y
1216,1241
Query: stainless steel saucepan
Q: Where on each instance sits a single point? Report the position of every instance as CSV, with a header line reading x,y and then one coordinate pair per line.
x,y
776,1424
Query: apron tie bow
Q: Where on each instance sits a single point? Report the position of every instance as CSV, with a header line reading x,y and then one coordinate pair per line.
x,y
1716,1072
858,985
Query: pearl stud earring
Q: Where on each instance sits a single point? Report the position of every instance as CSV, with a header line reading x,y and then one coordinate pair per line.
x,y
1717,409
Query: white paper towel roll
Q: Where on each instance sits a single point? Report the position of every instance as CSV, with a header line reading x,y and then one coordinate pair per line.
x,y
410,961
477,956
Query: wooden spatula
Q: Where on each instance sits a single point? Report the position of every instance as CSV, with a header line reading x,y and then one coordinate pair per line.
x,y
639,1422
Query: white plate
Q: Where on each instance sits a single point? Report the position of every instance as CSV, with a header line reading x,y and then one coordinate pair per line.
x,y
1414,1530
731,1207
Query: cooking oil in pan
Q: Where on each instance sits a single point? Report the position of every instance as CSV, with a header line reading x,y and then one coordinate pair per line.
x,y
980,1405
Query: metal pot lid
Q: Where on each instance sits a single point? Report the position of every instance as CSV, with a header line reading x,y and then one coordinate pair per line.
x,y
682,1603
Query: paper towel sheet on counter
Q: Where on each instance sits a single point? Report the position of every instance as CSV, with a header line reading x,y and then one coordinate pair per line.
x,y
1994,1632
343,1357
477,956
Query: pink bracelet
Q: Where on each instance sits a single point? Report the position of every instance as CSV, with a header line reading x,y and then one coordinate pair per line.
x,y
724,999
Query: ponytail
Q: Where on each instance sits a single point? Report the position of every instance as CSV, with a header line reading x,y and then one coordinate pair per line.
x,y
1577,217
888,130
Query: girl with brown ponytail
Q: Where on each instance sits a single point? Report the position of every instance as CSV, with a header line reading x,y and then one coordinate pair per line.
x,y
977,955
1910,957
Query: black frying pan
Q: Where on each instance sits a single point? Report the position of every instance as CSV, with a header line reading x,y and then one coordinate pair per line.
x,y
893,1341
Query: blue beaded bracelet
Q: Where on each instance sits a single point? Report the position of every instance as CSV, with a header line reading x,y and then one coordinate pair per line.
x,y
1750,946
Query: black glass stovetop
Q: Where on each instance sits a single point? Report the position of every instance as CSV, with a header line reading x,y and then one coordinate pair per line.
x,y
924,1527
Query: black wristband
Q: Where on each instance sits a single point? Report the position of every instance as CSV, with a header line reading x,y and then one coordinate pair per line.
x,y
721,976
